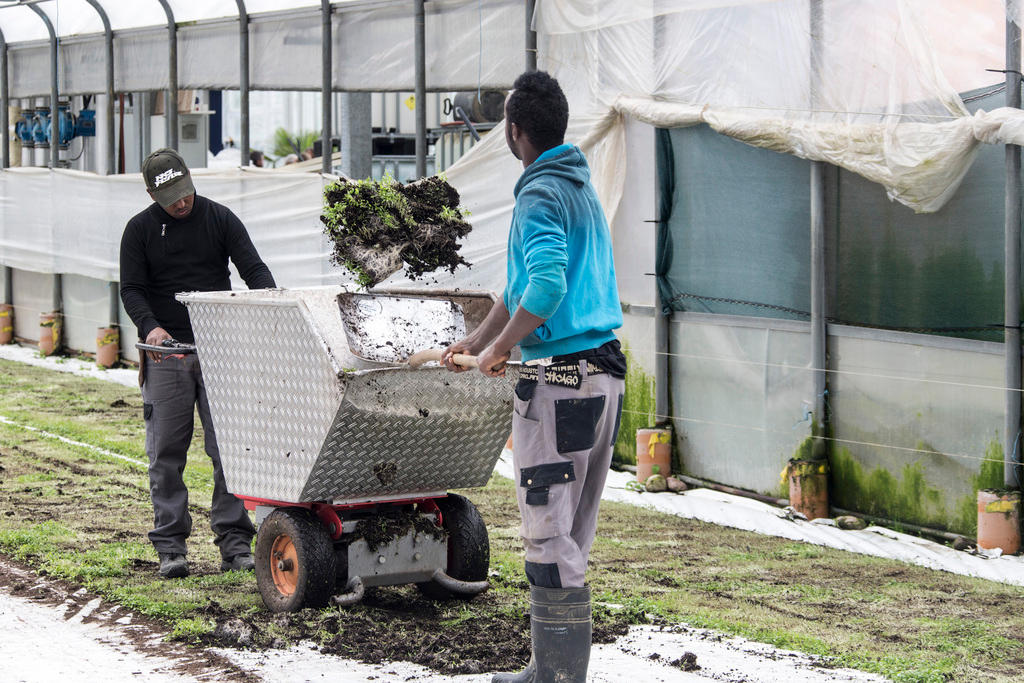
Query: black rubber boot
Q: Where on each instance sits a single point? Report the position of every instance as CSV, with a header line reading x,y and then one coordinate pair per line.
x,y
560,629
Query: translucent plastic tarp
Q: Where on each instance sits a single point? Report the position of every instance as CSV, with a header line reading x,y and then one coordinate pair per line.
x,y
861,84
469,44
71,222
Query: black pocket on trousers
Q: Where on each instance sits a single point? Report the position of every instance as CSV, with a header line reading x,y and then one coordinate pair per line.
x,y
147,411
538,495
618,421
576,423
525,389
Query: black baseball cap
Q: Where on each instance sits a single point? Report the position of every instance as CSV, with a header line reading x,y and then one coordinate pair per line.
x,y
167,177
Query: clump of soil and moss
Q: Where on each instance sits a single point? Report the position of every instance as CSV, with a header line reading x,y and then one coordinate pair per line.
x,y
379,227
382,529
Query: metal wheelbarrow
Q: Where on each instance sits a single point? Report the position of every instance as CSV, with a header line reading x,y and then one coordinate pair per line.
x,y
343,451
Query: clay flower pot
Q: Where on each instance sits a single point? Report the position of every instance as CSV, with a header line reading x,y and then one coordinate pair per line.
x,y
808,487
49,333
999,520
653,453
6,323
108,343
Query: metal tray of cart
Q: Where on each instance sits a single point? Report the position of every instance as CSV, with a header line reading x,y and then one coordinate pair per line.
x,y
343,451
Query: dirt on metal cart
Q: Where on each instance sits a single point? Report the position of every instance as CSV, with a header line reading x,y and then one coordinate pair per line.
x,y
343,451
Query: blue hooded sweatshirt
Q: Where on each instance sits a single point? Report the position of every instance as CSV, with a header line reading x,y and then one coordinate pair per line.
x,y
560,263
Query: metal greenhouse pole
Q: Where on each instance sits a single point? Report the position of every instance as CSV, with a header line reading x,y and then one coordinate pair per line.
x,y
54,135
5,151
54,121
5,100
818,304
325,97
421,90
1011,298
113,296
531,37
243,78
171,105
108,37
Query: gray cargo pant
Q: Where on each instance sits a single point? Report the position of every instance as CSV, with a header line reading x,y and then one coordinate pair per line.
x,y
562,441
171,391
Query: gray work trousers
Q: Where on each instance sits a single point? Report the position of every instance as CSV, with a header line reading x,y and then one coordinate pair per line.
x,y
562,448
171,391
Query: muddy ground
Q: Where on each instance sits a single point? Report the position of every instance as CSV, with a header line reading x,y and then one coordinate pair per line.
x,y
81,517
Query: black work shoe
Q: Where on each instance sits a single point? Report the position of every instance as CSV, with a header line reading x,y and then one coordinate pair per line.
x,y
242,562
173,566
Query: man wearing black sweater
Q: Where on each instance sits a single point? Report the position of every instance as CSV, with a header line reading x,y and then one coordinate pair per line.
x,y
182,243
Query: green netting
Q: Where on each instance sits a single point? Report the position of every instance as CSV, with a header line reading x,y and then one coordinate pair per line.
x,y
737,226
736,234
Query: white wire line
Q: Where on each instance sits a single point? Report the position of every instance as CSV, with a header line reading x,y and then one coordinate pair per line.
x,y
852,442
63,314
80,444
853,373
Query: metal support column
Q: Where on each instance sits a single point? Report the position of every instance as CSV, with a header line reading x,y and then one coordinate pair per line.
x,y
326,89
818,309
54,137
531,37
421,90
243,78
171,106
819,356
1012,298
5,102
108,38
114,299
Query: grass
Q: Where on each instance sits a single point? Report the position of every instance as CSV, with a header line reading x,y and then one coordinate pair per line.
x,y
81,516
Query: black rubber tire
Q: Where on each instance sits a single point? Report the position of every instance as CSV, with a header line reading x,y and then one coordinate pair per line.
x,y
469,548
316,563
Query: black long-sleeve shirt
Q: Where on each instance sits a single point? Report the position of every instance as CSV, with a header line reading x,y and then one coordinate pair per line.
x,y
162,256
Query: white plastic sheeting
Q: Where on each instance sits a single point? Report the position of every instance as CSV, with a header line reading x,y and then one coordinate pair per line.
x,y
469,43
863,86
71,222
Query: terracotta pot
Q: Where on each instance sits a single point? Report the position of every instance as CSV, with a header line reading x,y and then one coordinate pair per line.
x,y
999,520
808,487
108,344
49,333
6,323
653,453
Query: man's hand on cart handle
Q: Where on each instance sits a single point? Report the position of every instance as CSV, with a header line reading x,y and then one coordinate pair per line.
x,y
492,361
168,347
156,338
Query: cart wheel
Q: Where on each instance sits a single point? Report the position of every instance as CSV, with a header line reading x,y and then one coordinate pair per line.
x,y
295,563
469,549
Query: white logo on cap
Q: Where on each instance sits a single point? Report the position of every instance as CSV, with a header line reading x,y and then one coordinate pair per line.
x,y
169,174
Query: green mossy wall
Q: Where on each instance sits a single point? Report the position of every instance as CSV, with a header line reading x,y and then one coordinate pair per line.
x,y
908,496
637,409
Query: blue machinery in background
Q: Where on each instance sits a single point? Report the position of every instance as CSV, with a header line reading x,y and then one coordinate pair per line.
x,y
35,128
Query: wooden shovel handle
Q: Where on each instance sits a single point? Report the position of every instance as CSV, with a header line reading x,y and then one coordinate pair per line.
x,y
420,357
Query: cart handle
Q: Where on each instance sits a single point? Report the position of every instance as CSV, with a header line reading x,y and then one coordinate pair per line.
x,y
168,347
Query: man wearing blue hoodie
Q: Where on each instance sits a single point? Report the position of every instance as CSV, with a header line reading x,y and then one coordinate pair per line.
x,y
560,306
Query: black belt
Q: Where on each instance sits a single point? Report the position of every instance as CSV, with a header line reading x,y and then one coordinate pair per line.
x,y
560,374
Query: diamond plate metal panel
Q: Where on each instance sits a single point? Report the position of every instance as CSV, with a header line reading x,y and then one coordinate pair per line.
x,y
273,393
413,431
